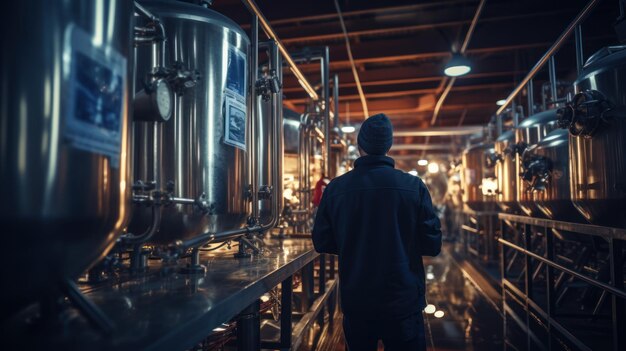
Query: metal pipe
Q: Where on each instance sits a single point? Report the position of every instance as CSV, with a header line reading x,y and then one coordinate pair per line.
x,y
440,131
355,73
254,116
132,239
253,8
551,51
326,91
578,40
553,82
275,65
399,147
336,100
530,91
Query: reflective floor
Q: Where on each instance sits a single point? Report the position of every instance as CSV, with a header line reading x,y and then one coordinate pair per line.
x,y
460,316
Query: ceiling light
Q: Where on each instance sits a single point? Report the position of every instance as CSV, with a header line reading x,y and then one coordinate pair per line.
x,y
457,66
348,129
433,167
500,102
439,314
422,162
430,309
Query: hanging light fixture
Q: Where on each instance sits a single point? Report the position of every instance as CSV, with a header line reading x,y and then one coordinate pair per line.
x,y
458,65
348,129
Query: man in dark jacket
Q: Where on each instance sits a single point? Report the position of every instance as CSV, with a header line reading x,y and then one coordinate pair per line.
x,y
380,222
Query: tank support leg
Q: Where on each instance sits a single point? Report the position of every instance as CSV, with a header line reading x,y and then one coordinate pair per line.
x,y
87,308
194,267
249,328
244,244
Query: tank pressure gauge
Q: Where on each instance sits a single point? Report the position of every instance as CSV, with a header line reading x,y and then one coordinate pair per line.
x,y
155,102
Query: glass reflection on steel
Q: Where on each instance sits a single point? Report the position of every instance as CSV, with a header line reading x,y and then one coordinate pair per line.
x,y
430,309
439,314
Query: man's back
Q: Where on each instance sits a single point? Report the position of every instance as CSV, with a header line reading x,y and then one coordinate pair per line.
x,y
380,221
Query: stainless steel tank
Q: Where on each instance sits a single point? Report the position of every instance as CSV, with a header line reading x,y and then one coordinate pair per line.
x,y
506,175
528,133
64,140
201,151
548,166
476,176
596,119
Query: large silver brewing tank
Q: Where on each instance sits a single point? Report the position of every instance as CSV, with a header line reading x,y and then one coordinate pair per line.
x,y
527,134
548,171
64,128
476,175
505,172
192,155
598,138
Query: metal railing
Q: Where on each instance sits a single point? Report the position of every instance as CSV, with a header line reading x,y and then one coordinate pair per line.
x,y
539,255
548,57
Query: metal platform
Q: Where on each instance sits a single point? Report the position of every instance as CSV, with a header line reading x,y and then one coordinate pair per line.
x,y
166,310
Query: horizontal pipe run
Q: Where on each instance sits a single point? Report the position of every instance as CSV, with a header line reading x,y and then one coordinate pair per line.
x,y
427,147
440,131
551,51
608,288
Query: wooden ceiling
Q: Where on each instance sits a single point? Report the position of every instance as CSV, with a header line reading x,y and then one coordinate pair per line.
x,y
400,48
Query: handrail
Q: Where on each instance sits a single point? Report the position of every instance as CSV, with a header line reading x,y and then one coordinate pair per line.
x,y
551,52
601,285
254,8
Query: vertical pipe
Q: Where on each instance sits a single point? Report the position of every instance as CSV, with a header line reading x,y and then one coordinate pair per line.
x,y
254,116
326,92
578,39
552,72
277,100
531,97
336,100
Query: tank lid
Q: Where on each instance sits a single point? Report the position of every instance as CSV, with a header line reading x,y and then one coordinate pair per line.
x,y
539,119
607,56
191,11
508,135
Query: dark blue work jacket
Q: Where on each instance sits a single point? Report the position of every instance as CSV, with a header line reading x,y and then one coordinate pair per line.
x,y
380,222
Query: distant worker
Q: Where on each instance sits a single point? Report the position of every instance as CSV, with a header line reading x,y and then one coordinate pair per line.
x,y
380,222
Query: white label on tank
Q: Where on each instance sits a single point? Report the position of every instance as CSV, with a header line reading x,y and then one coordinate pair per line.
x,y
235,119
96,87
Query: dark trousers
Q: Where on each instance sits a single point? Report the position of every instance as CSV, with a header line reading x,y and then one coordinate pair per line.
x,y
406,334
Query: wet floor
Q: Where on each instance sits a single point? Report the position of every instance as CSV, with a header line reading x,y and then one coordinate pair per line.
x,y
460,316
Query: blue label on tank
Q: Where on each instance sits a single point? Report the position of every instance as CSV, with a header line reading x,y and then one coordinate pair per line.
x,y
235,119
96,91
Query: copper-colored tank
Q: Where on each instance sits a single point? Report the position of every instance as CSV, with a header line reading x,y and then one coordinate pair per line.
x,y
505,172
475,170
527,134
596,119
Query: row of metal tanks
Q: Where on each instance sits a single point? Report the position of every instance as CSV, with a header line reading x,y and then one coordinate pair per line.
x,y
566,164
122,117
